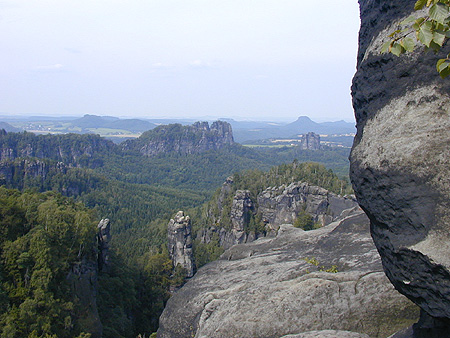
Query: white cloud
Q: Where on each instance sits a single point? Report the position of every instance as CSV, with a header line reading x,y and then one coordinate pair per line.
x,y
56,68
50,67
160,65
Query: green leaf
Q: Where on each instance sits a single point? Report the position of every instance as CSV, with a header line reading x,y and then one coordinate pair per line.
x,y
445,71
439,12
434,46
439,63
385,47
425,34
419,4
442,66
439,38
408,44
417,24
397,49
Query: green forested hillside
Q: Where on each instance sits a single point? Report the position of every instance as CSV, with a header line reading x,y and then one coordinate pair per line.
x,y
42,236
139,194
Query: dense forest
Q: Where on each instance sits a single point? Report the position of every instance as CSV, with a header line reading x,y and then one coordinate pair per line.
x,y
43,236
85,178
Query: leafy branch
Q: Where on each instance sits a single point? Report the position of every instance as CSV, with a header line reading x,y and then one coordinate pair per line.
x,y
431,30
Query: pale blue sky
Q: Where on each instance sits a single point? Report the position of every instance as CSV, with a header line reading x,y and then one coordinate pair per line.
x,y
246,59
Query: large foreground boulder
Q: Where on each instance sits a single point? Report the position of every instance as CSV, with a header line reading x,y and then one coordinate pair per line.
x,y
400,162
325,279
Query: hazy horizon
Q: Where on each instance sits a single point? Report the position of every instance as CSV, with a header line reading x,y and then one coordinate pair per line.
x,y
244,59
5,117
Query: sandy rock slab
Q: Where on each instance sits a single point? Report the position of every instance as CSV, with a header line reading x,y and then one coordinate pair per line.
x,y
289,285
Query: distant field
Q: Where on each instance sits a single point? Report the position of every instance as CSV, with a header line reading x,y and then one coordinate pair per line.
x,y
113,132
267,145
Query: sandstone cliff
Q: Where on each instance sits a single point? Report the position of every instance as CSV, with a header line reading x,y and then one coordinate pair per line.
x,y
310,141
325,279
400,163
71,149
242,218
175,138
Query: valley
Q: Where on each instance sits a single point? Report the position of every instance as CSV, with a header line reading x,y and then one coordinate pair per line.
x,y
139,185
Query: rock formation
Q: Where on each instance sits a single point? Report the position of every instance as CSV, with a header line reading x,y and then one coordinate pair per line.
x,y
400,163
274,206
278,286
71,149
180,242
310,141
103,240
283,204
199,137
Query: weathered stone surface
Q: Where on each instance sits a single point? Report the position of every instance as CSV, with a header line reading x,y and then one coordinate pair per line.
x,y
276,206
400,161
310,141
180,242
103,240
283,204
196,138
73,150
270,288
327,334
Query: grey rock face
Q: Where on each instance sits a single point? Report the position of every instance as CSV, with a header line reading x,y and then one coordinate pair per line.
x,y
400,161
240,213
272,287
241,208
103,240
180,242
283,204
276,206
196,138
327,334
69,149
310,141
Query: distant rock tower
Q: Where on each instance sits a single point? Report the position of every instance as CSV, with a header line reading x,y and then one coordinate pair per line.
x,y
310,141
103,239
180,242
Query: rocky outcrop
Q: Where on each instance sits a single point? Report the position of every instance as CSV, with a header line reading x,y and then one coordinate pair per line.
x,y
180,242
400,162
103,240
175,138
71,149
310,141
283,204
274,206
285,285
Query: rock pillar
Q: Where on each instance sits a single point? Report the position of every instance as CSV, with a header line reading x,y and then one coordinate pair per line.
x,y
180,242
